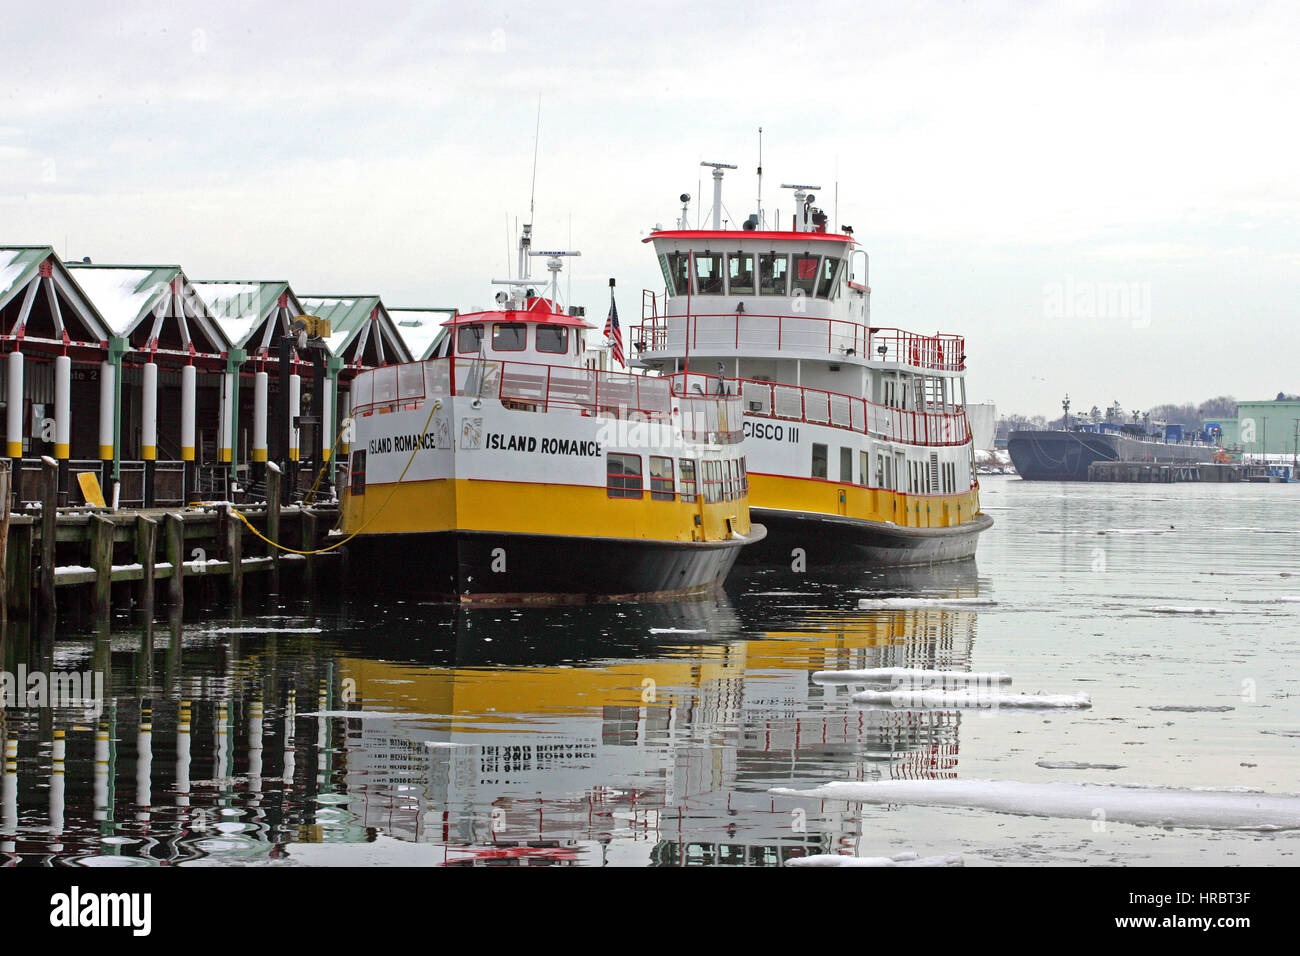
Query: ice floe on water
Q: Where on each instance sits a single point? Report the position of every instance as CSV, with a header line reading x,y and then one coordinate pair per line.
x,y
1077,765
1194,708
1189,609
912,675
902,859
962,602
1220,809
938,698
678,630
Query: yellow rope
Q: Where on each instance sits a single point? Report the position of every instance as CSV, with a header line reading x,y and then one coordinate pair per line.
x,y
365,524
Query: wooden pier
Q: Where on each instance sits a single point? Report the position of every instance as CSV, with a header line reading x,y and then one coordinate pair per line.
x,y
70,562
1167,472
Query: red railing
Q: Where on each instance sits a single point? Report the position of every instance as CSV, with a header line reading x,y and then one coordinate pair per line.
x,y
819,407
708,413
836,337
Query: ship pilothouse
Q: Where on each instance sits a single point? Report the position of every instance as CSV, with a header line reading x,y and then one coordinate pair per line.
x,y
511,465
856,434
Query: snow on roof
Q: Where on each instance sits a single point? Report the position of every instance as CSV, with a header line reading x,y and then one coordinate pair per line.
x,y
12,264
238,307
122,294
420,328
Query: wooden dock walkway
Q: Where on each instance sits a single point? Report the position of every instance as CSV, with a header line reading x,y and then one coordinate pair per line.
x,y
67,562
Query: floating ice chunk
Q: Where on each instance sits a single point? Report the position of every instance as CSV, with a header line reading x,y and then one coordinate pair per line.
x,y
1182,609
678,630
1118,803
903,859
909,675
869,603
1195,708
970,697
1077,765
1136,530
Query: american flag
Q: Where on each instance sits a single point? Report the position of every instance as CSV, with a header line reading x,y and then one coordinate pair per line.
x,y
613,334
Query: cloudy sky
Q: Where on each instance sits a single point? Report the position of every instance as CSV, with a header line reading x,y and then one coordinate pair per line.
x,y
1102,197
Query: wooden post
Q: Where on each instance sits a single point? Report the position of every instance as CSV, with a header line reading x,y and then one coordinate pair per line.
x,y
235,555
174,543
49,532
19,567
146,537
308,526
273,480
101,559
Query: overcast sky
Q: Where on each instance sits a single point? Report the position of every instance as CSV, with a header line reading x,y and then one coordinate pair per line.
x,y
1102,197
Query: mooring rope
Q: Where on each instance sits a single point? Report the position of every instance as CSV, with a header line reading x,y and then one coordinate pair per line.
x,y
365,524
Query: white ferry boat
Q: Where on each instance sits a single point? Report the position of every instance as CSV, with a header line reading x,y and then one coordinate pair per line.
x,y
856,435
506,468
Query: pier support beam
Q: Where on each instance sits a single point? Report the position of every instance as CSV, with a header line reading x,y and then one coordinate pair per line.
x,y
63,421
107,413
258,453
273,481
149,430
14,423
190,483
295,409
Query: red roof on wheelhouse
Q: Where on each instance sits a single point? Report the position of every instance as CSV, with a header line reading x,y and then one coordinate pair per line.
x,y
746,234
538,309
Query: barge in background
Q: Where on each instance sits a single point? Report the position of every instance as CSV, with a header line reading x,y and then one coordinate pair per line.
x,y
1066,454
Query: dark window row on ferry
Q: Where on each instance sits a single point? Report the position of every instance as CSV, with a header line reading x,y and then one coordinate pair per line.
x,y
513,337
716,480
932,477
733,273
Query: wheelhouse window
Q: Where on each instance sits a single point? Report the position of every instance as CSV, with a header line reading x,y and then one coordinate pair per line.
x,y
740,274
686,469
553,338
805,274
668,273
826,284
708,273
818,461
509,336
623,476
678,266
773,274
661,478
469,338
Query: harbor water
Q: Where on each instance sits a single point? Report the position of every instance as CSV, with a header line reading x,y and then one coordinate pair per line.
x,y
344,730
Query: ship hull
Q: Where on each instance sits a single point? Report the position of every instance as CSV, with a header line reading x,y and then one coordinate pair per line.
x,y
482,567
1065,456
821,540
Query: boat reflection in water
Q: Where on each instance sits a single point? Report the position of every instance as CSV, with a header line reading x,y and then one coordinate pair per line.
x,y
623,734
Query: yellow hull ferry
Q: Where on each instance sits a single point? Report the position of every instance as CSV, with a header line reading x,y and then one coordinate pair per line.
x,y
856,436
505,468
